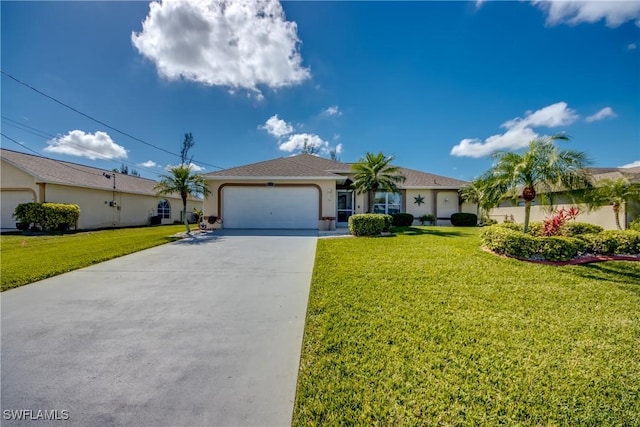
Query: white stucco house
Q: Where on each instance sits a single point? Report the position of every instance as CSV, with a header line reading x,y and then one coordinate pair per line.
x,y
106,199
302,191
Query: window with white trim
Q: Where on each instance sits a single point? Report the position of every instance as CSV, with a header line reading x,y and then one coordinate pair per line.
x,y
164,209
387,203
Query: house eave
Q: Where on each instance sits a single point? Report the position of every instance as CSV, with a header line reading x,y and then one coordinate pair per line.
x,y
275,178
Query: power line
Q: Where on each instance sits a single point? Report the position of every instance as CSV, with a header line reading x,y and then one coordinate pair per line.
x,y
38,154
97,120
42,134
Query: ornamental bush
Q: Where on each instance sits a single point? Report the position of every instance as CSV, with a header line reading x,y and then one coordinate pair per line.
x,y
612,242
464,219
402,220
369,224
575,228
49,216
635,224
536,228
557,248
510,225
506,241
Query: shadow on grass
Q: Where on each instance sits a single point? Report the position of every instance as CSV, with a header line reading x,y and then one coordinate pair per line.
x,y
623,273
417,231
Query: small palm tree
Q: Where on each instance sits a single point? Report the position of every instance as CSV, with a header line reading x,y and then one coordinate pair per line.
x,y
374,172
616,192
542,168
183,182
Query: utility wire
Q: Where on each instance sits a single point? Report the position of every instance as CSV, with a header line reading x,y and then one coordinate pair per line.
x,y
38,154
96,120
42,134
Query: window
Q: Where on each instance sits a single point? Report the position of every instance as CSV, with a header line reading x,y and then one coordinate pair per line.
x,y
387,203
164,209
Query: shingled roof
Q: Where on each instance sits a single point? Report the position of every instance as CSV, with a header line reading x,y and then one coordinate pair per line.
x,y
312,167
51,171
301,166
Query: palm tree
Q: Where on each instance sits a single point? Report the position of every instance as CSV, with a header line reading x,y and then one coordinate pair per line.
x,y
615,192
374,172
473,193
182,181
542,168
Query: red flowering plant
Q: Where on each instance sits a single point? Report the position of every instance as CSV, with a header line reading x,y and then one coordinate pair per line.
x,y
553,225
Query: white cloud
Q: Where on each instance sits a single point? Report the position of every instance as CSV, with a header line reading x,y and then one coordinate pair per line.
x,y
332,111
519,131
235,44
574,12
635,164
148,164
297,141
192,166
632,46
276,126
94,146
339,149
602,114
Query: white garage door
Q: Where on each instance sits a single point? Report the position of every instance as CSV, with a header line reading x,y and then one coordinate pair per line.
x,y
9,201
270,207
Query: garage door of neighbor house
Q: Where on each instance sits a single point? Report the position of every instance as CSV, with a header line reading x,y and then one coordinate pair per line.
x,y
9,201
270,207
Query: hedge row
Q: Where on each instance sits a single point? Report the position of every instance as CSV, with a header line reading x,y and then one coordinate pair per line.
x,y
49,216
464,219
570,229
369,224
514,243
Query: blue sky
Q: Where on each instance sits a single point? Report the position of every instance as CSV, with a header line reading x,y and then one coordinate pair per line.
x,y
439,85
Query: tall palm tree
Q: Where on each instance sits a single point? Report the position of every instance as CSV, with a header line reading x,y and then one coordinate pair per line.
x,y
473,193
374,172
182,181
542,168
616,192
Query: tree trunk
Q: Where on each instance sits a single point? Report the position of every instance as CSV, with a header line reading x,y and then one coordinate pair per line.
x,y
527,214
184,215
616,212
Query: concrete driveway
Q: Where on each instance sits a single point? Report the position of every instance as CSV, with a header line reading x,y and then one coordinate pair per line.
x,y
202,332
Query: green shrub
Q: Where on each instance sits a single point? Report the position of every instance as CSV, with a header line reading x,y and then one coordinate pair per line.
x,y
402,220
574,228
635,224
557,248
369,224
509,242
536,228
510,226
427,218
50,216
599,243
464,219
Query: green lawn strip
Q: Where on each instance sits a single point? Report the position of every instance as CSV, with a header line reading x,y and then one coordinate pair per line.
x,y
26,259
426,329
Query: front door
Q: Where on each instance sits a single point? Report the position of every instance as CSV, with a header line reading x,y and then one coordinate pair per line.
x,y
345,207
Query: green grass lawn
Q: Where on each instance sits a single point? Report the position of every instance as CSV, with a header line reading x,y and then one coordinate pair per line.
x,y
25,259
424,328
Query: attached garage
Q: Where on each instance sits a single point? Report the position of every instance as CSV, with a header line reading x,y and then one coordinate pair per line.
x,y
275,207
11,198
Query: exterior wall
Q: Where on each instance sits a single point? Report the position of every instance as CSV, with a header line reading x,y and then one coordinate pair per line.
x,y
603,217
16,187
327,196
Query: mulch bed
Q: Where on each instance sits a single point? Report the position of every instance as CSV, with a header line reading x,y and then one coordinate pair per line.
x,y
586,259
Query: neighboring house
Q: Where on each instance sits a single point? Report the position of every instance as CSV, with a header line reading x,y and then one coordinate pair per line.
x,y
298,192
114,200
602,216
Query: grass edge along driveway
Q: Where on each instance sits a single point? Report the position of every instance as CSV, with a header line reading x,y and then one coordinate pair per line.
x,y
26,259
426,329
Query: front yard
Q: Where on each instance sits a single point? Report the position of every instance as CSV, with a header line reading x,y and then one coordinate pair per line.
x,y
25,259
426,329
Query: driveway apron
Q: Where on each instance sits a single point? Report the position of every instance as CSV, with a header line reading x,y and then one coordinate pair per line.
x,y
205,331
